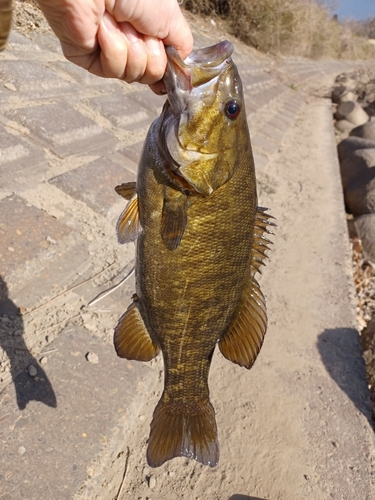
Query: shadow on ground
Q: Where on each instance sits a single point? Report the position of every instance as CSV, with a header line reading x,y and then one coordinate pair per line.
x,y
341,353
28,388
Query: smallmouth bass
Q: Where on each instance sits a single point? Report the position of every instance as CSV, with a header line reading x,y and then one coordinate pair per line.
x,y
201,240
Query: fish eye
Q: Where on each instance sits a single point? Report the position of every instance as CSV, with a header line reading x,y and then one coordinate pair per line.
x,y
232,109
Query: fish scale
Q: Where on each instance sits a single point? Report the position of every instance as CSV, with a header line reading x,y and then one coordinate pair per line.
x,y
200,242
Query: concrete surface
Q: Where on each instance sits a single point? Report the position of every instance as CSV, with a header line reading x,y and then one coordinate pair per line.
x,y
66,139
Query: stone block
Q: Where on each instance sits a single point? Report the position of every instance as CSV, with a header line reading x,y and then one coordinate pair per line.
x,y
20,160
34,78
94,183
123,111
149,100
132,155
63,129
23,233
264,143
360,193
365,227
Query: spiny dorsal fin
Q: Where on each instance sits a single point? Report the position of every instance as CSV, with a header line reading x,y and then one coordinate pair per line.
x,y
131,339
242,342
127,190
174,218
260,243
128,226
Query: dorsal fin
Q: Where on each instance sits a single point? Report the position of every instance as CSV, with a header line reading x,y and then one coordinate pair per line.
x,y
261,242
127,190
128,226
244,338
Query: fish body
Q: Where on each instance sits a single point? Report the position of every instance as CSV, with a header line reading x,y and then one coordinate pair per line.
x,y
5,21
200,242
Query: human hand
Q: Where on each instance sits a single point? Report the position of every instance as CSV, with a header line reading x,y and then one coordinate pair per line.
x,y
120,38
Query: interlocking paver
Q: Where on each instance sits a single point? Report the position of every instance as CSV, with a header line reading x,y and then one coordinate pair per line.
x,y
40,81
123,111
63,129
24,230
94,183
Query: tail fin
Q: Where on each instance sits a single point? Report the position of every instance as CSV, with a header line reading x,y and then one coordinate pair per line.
x,y
176,434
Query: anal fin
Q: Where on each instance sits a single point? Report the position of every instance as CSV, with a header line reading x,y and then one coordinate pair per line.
x,y
128,226
131,339
174,218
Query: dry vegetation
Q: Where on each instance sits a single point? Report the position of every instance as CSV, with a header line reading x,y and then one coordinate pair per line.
x,y
291,27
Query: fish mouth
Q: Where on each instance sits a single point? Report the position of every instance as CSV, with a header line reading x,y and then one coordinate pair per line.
x,y
199,70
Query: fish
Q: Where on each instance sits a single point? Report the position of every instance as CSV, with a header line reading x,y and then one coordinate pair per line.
x,y
5,21
201,239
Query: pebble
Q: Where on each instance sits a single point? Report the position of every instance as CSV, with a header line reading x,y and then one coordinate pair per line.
x,y
92,358
43,360
152,482
10,86
32,371
21,450
51,240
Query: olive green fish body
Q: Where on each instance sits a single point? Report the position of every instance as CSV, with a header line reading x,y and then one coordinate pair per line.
x,y
200,242
5,21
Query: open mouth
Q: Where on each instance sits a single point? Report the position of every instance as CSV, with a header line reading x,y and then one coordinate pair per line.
x,y
199,68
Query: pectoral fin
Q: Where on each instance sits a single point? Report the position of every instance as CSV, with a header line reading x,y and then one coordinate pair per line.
x,y
126,190
128,226
132,340
174,218
242,343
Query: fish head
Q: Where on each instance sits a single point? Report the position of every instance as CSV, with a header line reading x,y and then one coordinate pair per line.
x,y
203,117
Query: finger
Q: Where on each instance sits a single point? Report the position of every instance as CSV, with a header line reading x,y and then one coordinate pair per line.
x,y
158,88
137,54
180,35
156,60
114,50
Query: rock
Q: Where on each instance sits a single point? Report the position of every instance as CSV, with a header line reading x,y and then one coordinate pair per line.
x,y
43,360
351,144
352,112
366,131
355,164
344,126
365,226
21,450
32,371
360,194
348,96
342,94
92,358
352,229
151,482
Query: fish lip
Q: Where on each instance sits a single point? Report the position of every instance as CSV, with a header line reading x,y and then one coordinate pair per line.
x,y
201,67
